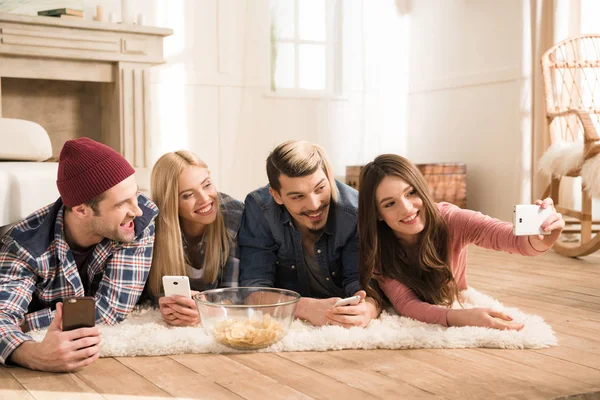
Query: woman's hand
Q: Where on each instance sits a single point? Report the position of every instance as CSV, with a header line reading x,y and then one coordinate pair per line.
x,y
179,310
553,224
359,315
483,317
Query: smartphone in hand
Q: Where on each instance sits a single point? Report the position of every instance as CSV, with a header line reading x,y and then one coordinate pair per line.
x,y
348,301
177,285
528,219
78,312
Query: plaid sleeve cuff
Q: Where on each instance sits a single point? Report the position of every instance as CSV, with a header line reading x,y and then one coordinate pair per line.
x,y
10,342
40,319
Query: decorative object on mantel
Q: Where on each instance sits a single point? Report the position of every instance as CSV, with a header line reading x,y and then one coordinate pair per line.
x,y
126,12
32,7
64,16
144,333
33,143
99,17
59,12
446,181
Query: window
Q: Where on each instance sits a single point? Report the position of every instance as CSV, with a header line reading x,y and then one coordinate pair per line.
x,y
305,46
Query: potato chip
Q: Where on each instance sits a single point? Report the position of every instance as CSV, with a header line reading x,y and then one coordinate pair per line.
x,y
250,333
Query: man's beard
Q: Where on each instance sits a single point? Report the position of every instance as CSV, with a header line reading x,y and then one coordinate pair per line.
x,y
316,232
313,229
99,229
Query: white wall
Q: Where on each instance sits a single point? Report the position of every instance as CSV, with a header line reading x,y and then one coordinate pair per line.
x,y
212,95
465,102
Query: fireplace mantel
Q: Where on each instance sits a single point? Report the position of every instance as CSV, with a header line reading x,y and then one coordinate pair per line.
x,y
116,56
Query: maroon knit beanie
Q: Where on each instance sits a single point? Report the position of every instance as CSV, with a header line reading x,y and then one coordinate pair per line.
x,y
86,169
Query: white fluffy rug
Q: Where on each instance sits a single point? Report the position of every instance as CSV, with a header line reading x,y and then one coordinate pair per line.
x,y
144,333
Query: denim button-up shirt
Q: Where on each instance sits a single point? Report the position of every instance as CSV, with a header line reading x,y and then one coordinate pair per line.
x,y
271,247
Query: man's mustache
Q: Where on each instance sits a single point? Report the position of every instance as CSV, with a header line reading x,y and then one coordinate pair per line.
x,y
324,206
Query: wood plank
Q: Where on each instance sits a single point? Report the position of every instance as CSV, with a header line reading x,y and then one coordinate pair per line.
x,y
578,356
548,383
579,285
299,377
352,374
555,307
548,277
575,339
566,369
114,380
582,396
176,379
50,385
10,388
534,287
236,377
471,374
429,376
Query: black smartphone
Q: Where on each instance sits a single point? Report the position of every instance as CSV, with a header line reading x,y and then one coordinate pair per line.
x,y
78,312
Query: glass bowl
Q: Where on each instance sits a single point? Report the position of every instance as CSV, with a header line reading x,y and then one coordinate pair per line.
x,y
247,318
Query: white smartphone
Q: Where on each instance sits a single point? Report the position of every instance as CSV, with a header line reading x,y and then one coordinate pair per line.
x,y
348,301
528,219
179,285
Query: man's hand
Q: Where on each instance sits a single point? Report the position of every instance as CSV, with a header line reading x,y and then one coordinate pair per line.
x,y
60,351
359,315
483,317
313,310
179,310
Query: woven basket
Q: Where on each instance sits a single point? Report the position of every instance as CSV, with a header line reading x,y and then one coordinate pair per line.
x,y
445,181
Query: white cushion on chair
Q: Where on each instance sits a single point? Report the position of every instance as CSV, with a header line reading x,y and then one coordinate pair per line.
x,y
560,158
590,174
23,141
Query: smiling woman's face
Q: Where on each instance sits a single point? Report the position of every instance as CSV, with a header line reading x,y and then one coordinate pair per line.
x,y
399,205
198,197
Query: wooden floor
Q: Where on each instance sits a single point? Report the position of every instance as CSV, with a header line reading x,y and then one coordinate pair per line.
x,y
566,292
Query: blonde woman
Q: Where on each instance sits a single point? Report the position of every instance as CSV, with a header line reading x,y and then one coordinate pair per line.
x,y
196,233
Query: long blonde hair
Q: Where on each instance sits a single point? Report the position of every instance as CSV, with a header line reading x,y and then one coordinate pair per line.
x,y
168,257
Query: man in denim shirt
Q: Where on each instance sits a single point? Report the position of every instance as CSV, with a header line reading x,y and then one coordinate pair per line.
x,y
95,240
299,233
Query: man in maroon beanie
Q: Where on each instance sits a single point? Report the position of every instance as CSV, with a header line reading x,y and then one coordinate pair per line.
x,y
95,240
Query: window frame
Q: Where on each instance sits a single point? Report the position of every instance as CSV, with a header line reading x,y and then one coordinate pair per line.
x,y
333,54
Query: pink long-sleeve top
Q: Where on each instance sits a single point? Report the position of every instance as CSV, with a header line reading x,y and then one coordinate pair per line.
x,y
465,227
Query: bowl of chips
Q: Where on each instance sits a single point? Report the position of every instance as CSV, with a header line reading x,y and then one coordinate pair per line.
x,y
247,318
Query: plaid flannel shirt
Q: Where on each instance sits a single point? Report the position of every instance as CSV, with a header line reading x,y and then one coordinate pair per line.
x,y
229,274
36,264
